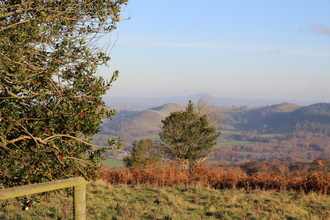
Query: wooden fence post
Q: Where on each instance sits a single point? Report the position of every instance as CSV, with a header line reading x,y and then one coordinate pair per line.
x,y
79,202
79,197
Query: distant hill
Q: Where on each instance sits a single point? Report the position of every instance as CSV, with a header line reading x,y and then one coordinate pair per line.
x,y
319,112
285,107
274,118
286,131
284,118
139,124
150,119
168,108
314,118
142,103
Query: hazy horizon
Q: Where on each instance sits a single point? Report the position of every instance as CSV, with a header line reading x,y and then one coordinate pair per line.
x,y
276,50
142,103
283,99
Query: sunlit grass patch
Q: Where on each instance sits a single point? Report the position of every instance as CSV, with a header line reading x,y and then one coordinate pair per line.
x,y
145,202
112,162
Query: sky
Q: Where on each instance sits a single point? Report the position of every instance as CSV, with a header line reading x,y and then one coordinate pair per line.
x,y
226,48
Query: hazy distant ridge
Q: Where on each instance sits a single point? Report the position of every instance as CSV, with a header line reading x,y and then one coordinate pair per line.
x,y
142,103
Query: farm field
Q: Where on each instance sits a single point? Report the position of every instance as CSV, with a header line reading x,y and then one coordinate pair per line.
x,y
112,162
224,140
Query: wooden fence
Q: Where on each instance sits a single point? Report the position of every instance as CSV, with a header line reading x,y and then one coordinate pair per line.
x,y
79,197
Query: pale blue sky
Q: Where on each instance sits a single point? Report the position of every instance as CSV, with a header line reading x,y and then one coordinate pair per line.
x,y
226,48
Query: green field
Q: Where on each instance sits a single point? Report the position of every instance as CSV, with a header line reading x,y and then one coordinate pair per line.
x,y
112,162
224,140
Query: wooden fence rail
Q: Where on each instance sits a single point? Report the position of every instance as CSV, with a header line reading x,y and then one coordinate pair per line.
x,y
79,197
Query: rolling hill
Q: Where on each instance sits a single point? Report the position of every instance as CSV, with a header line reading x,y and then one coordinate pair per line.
x,y
132,126
284,118
271,118
286,131
314,118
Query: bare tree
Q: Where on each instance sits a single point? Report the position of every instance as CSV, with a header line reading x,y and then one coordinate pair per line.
x,y
206,107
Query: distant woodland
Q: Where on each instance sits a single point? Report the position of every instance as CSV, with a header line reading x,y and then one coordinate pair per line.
x,y
286,132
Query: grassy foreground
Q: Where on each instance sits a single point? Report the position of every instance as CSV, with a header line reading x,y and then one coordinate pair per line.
x,y
144,202
105,201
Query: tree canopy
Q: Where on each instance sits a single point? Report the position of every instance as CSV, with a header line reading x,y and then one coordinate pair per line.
x,y
50,94
144,153
187,137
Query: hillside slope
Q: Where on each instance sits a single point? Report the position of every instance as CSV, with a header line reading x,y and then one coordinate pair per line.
x,y
142,124
274,117
314,118
285,118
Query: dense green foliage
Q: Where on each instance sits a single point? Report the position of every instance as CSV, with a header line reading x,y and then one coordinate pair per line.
x,y
50,95
187,137
143,153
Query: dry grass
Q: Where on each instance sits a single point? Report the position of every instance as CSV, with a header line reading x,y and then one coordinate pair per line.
x,y
187,202
167,192
106,201
214,177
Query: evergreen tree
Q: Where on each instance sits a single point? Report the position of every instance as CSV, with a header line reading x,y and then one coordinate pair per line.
x,y
186,137
50,95
144,153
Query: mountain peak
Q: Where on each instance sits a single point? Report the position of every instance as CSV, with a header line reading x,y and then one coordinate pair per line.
x,y
199,96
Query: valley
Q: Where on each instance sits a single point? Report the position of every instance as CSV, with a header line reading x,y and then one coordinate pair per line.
x,y
287,132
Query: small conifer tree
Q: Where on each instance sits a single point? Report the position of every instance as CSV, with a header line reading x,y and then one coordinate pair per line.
x,y
144,153
187,137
